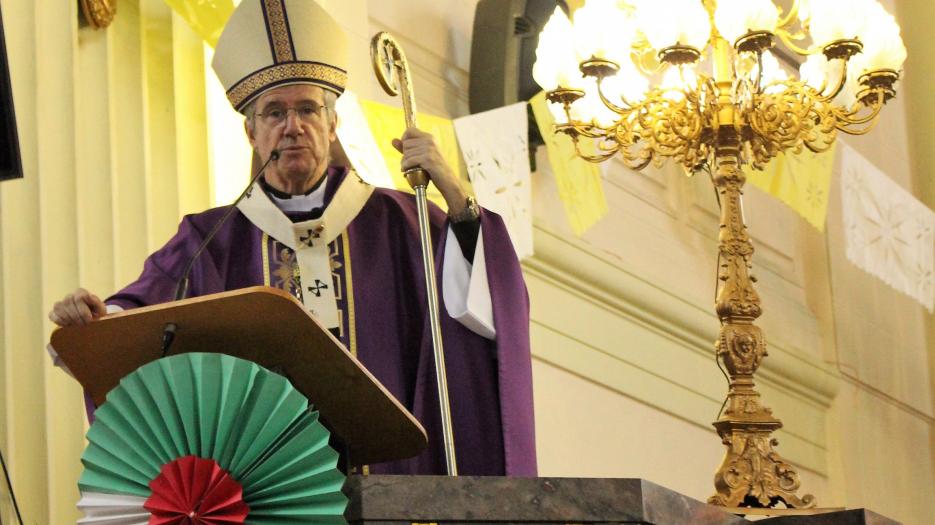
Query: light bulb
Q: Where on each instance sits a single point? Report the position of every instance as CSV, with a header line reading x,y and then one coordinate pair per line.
x,y
627,87
831,20
603,30
591,109
735,18
677,80
666,23
814,71
804,10
556,64
558,113
630,84
848,94
772,72
545,73
883,46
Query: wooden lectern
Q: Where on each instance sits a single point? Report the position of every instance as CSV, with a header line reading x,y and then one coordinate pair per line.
x,y
271,328
268,327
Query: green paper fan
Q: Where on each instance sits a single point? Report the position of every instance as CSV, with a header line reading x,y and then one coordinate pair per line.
x,y
255,424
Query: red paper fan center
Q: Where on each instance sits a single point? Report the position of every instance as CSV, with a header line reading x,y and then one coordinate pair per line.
x,y
195,491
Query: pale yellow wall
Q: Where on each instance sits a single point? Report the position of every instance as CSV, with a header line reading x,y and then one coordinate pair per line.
x,y
114,151
625,380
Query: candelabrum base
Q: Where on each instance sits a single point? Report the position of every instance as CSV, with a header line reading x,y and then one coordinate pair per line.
x,y
755,511
752,473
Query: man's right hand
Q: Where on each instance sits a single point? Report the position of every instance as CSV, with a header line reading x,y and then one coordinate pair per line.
x,y
78,308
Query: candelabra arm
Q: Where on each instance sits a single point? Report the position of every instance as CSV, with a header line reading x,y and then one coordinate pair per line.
x,y
787,40
644,56
641,162
581,129
789,18
857,131
815,149
608,153
842,80
611,105
848,119
566,106
758,86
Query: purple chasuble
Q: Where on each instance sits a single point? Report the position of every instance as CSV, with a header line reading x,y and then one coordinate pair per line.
x,y
380,289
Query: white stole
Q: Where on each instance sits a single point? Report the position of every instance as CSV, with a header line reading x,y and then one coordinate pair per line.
x,y
310,239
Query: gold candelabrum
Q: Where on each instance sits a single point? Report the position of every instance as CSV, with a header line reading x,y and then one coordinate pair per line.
x,y
746,111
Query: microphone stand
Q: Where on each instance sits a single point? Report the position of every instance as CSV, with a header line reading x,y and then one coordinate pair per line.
x,y
9,484
181,289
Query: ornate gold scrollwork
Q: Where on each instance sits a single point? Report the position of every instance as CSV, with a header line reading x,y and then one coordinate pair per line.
x,y
98,13
741,348
752,473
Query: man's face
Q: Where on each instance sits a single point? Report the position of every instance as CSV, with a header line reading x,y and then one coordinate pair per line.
x,y
303,138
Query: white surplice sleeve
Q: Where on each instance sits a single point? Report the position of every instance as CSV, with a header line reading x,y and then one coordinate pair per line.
x,y
465,292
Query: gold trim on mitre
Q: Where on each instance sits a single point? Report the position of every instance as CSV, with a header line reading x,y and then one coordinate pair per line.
x,y
270,43
321,75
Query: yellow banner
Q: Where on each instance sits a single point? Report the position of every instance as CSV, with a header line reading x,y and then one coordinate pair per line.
x,y
578,181
802,181
388,123
206,17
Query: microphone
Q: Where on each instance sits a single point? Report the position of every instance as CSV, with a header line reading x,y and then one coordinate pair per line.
x,y
181,289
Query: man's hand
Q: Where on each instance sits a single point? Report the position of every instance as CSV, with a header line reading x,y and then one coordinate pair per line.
x,y
420,150
78,308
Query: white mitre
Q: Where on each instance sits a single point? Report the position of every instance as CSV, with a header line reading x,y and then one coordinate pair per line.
x,y
271,43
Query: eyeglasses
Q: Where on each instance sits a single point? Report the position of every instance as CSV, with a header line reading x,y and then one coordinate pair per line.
x,y
307,112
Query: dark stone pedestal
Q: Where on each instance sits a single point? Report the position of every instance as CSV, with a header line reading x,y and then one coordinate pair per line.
x,y
395,500
404,500
843,517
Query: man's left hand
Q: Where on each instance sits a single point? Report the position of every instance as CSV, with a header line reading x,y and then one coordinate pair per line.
x,y
420,150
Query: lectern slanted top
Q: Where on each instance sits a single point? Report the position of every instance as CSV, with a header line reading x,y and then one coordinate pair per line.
x,y
260,324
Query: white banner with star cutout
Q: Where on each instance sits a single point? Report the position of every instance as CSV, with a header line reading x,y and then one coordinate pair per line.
x,y
888,232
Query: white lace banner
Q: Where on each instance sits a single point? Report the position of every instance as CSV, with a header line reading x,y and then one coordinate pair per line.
x,y
495,146
888,232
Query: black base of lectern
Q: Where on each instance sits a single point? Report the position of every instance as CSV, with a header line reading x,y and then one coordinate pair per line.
x,y
406,500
